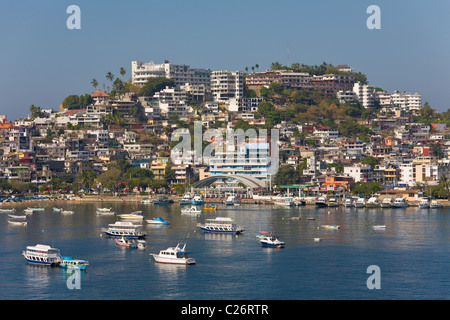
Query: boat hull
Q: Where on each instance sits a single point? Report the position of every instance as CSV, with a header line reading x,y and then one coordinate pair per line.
x,y
180,261
132,236
205,229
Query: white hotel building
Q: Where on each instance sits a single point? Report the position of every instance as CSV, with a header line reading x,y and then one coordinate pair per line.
x,y
181,74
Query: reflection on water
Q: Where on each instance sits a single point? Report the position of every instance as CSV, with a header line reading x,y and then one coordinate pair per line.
x,y
413,237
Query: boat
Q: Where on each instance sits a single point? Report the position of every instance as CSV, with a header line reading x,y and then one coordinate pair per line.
x,y
221,225
42,255
331,226
272,242
192,209
17,223
211,207
379,227
162,199
158,221
105,210
197,200
400,203
13,216
436,204
67,212
127,242
287,202
373,202
57,209
75,264
31,210
187,199
424,203
321,202
8,210
147,201
386,203
232,201
173,255
137,215
360,203
349,202
300,203
125,229
332,202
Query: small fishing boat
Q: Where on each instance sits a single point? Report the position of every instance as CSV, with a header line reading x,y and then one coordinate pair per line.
x,y
162,199
8,210
20,217
197,200
436,204
67,212
349,202
141,244
147,201
17,223
220,225
137,215
105,210
332,202
173,255
287,202
191,210
42,255
57,209
272,242
127,242
158,221
75,264
379,227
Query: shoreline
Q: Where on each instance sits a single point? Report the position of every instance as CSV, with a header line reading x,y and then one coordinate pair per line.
x,y
136,198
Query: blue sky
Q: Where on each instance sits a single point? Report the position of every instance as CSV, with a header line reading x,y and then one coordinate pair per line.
x,y
42,61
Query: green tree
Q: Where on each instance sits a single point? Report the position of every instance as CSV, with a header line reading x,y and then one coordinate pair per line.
x,y
94,83
286,175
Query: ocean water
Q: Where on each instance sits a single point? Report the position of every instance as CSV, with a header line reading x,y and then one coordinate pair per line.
x,y
412,254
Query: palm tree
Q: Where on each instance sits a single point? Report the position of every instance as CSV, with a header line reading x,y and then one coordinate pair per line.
x,y
110,76
122,71
94,83
257,67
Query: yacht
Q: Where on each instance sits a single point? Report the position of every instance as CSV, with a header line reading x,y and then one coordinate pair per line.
x,y
424,203
373,202
386,203
42,255
400,203
232,201
137,215
360,203
125,229
173,255
287,202
162,199
321,202
191,210
220,225
436,204
332,202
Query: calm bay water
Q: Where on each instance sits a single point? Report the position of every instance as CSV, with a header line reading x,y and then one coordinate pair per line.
x,y
412,253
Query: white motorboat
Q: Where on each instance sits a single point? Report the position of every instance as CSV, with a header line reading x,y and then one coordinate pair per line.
x,y
162,199
20,217
331,226
386,203
59,210
424,203
147,201
360,202
197,200
105,210
191,210
125,229
187,199
158,221
373,202
321,202
137,215
379,227
220,225
42,255
286,201
232,201
173,255
67,212
272,242
400,203
332,202
436,204
8,210
349,202
17,223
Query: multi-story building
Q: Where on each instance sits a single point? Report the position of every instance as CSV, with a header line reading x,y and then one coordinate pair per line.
x,y
365,94
226,85
181,74
406,100
360,172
